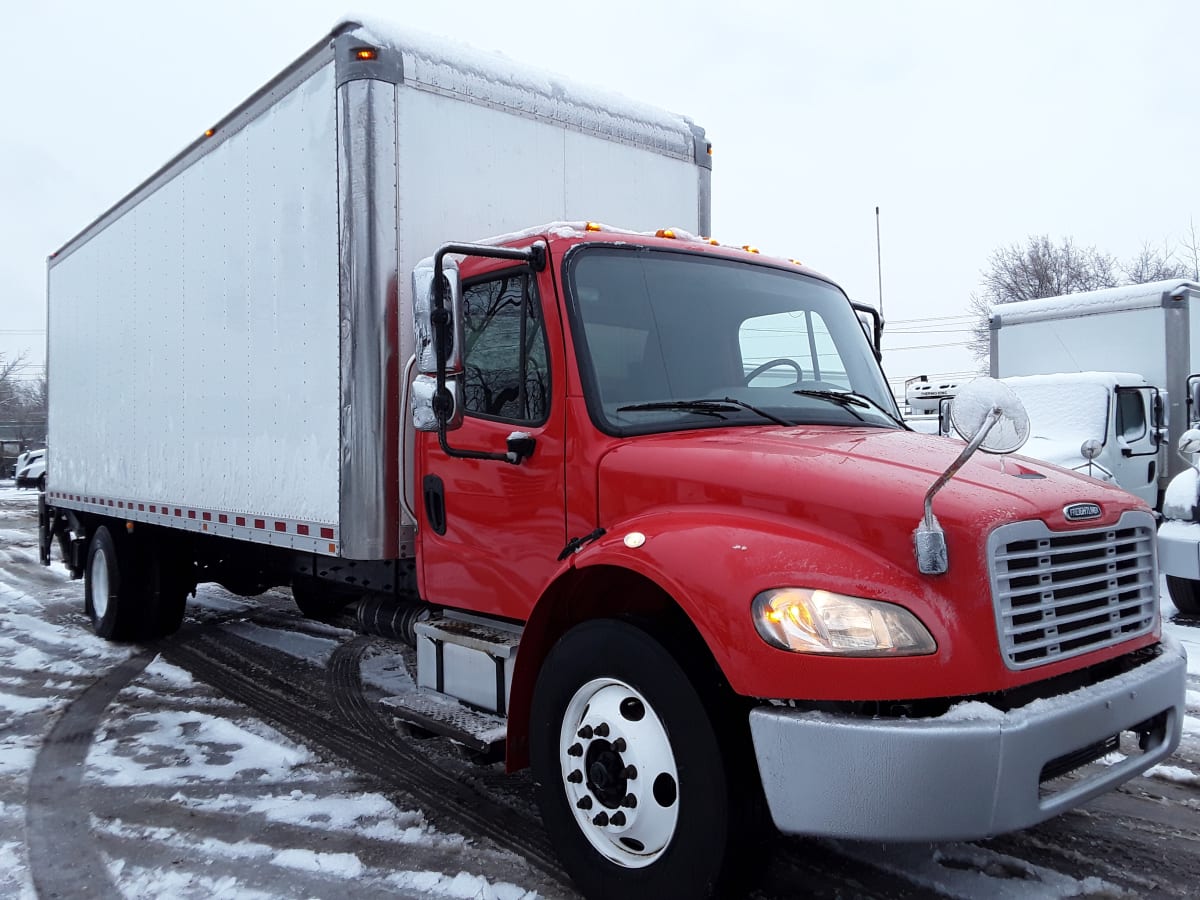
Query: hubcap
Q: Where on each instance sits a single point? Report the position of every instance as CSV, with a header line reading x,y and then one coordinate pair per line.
x,y
99,584
619,773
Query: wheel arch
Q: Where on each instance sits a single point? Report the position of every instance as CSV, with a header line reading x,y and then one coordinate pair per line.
x,y
594,592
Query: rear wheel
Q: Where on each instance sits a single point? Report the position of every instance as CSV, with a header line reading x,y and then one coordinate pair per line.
x,y
1185,594
632,782
111,598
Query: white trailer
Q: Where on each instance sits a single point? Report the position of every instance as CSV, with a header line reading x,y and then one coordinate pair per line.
x,y
1152,330
253,281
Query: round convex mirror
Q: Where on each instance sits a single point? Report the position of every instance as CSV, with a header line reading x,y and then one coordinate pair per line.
x,y
1091,449
973,406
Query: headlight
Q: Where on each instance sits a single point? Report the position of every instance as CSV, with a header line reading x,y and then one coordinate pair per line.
x,y
812,621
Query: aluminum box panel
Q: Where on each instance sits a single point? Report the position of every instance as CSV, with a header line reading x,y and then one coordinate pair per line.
x,y
194,337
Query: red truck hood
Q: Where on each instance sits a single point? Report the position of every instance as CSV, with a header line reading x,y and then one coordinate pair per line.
x,y
849,480
836,508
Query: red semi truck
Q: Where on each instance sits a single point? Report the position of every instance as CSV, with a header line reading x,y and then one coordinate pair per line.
x,y
643,502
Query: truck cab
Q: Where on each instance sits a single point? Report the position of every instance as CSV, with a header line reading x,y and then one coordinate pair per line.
x,y
676,470
1108,425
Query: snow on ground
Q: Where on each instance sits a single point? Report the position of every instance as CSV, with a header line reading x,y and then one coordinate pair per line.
x,y
169,745
214,797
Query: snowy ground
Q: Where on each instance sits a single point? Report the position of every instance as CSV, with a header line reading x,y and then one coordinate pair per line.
x,y
123,775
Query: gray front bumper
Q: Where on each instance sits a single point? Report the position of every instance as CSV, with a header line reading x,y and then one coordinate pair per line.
x,y
956,777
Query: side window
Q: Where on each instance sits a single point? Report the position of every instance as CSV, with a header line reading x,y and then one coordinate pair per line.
x,y
1131,415
505,354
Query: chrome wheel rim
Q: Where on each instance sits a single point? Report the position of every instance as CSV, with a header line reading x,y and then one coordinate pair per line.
x,y
99,584
619,773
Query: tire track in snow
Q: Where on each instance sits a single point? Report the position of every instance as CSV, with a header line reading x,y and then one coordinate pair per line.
x,y
279,689
63,861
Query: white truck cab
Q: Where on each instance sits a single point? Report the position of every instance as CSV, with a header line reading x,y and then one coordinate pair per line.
x,y
1109,425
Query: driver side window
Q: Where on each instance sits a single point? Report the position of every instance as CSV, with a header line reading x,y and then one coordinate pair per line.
x,y
505,358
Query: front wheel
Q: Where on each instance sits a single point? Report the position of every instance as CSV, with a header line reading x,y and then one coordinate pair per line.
x,y
1185,594
631,779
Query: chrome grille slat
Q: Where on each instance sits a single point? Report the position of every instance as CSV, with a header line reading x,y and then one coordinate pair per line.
x,y
1027,600
1094,631
1068,567
1059,621
1059,594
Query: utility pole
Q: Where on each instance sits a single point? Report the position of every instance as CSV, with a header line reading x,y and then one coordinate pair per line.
x,y
879,262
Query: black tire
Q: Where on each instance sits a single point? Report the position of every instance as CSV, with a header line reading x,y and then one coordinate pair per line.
x,y
597,667
166,584
41,483
1185,594
319,599
111,596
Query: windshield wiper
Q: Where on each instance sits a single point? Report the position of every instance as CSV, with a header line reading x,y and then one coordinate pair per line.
x,y
706,407
850,399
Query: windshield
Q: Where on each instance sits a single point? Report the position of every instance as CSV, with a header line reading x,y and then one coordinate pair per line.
x,y
1064,411
662,330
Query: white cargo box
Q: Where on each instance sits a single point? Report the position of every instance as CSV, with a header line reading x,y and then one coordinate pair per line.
x,y
226,343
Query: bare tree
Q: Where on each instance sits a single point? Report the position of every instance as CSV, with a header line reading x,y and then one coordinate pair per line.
x,y
1191,252
1037,268
1151,265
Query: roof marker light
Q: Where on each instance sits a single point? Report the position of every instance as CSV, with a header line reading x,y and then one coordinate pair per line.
x,y
209,132
665,233
795,262
592,226
749,249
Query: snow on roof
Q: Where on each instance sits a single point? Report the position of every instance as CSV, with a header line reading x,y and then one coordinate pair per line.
x,y
492,79
1086,303
1060,379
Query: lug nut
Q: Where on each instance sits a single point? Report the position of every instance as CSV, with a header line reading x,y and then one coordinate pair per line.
x,y
575,750
601,819
585,732
619,745
630,772
602,730
630,801
618,819
584,803
576,777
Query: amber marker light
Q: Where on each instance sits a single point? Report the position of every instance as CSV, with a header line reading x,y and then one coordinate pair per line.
x,y
665,233
209,132
366,54
749,249
592,226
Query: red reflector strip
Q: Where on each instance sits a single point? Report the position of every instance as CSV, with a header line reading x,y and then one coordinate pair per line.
x,y
223,519
207,517
191,514
259,523
240,520
179,512
141,507
302,529
327,533
281,526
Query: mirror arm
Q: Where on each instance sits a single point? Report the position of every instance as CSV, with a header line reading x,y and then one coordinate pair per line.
x,y
878,320
535,257
929,540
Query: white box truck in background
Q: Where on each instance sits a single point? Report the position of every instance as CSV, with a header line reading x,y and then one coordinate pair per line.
x,y
1150,330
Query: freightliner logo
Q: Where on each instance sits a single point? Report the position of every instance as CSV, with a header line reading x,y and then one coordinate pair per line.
x,y
1079,511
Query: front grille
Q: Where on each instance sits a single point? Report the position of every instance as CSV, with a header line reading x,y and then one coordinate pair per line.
x,y
1060,594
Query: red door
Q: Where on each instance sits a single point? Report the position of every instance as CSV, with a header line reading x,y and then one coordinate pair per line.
x,y
502,525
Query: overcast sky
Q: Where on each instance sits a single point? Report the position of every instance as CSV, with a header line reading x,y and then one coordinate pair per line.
x,y
970,124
